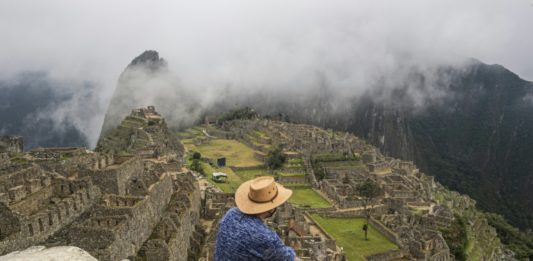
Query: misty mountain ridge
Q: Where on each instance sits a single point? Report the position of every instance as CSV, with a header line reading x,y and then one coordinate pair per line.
x,y
146,81
28,103
467,125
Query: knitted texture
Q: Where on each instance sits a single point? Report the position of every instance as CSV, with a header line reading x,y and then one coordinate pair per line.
x,y
243,237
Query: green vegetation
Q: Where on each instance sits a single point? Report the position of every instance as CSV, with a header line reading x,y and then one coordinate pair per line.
x,y
245,113
275,158
196,155
290,174
326,157
298,161
349,234
351,164
520,242
252,173
368,190
305,196
18,158
236,153
196,166
232,183
456,238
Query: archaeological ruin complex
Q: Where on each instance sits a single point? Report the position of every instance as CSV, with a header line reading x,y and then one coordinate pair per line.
x,y
134,197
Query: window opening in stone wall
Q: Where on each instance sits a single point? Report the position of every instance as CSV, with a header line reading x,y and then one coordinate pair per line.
x,y
30,228
41,226
50,221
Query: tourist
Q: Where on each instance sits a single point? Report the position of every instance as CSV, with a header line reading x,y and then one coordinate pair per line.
x,y
242,235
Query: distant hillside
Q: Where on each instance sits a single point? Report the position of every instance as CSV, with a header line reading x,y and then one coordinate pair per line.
x,y
478,142
477,139
147,81
23,101
473,134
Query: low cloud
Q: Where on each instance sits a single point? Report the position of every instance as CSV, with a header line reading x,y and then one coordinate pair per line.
x,y
239,50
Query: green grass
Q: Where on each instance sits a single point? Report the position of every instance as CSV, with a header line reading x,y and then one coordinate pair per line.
x,y
472,249
327,157
232,182
250,174
349,234
291,174
306,196
235,178
237,154
299,161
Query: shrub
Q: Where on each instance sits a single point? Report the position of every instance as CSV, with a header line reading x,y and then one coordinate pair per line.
x,y
275,158
196,155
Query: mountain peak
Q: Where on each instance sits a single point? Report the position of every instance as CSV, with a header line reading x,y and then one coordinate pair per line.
x,y
149,59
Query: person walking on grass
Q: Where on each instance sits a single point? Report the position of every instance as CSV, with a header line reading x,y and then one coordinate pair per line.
x,y
242,235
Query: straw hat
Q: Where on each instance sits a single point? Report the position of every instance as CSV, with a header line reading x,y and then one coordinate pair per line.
x,y
260,195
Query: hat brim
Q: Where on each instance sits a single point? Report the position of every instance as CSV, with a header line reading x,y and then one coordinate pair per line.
x,y
248,206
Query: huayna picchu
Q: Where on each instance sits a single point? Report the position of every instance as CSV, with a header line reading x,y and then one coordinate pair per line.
x,y
149,193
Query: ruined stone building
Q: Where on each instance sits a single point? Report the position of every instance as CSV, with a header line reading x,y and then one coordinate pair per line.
x,y
11,144
118,202
133,199
412,210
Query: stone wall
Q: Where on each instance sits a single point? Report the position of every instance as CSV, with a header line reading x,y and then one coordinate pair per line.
x,y
176,237
41,223
114,179
11,144
389,234
126,235
385,256
4,159
292,179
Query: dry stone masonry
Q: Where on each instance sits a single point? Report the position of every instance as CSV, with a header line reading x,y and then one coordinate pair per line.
x,y
130,199
133,199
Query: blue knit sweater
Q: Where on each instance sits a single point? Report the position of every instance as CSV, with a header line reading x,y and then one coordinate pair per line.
x,y
243,237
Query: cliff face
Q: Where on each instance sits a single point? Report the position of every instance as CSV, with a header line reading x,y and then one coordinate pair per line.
x,y
477,141
132,86
473,133
148,81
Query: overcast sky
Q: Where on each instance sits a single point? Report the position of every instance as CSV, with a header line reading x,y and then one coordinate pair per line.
x,y
261,43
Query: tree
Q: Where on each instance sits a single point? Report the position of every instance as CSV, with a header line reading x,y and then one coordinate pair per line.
x,y
456,237
275,158
196,155
368,191
245,113
196,166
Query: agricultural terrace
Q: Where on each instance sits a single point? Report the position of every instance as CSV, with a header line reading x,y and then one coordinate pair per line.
x,y
305,196
293,167
237,154
232,182
349,235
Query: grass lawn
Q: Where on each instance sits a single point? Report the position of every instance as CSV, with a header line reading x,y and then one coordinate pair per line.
x,y
235,178
232,182
236,153
302,196
291,174
349,234
250,174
